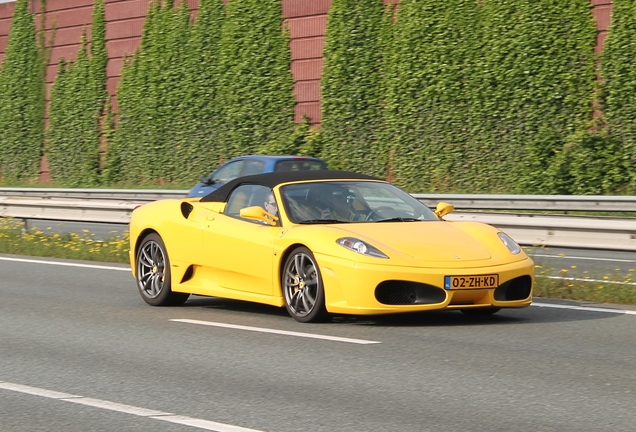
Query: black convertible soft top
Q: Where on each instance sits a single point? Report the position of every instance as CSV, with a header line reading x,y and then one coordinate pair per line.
x,y
275,178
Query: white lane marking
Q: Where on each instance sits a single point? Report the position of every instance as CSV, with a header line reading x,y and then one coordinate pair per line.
x,y
585,308
65,264
126,409
280,332
583,258
586,280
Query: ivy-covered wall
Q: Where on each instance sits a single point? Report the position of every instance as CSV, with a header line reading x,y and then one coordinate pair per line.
x,y
619,88
78,98
255,86
151,97
22,99
440,95
482,95
351,86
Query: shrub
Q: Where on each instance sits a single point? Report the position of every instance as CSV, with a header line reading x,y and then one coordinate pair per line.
x,y
22,99
619,89
255,81
351,87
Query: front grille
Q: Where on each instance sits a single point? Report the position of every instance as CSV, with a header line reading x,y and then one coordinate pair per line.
x,y
395,292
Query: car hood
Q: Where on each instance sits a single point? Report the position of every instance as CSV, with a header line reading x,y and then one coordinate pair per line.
x,y
200,190
421,243
432,241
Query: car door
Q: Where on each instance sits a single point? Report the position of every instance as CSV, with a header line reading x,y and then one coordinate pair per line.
x,y
240,251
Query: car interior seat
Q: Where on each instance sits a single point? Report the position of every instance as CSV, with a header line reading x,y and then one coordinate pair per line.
x,y
237,201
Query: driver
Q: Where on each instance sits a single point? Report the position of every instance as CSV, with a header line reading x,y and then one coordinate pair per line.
x,y
332,202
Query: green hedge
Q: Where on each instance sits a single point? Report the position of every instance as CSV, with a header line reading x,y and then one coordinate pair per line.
x,y
196,94
483,94
78,98
203,147
255,80
619,87
351,87
151,96
487,96
22,99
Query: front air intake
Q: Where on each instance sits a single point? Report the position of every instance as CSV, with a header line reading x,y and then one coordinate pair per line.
x,y
515,289
395,292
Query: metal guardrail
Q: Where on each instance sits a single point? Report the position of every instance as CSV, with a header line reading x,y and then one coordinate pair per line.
x,y
111,206
137,195
554,203
544,203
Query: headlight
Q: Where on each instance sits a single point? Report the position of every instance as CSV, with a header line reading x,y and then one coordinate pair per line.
x,y
512,245
360,247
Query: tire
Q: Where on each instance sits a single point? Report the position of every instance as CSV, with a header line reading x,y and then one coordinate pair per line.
x,y
477,312
153,274
302,287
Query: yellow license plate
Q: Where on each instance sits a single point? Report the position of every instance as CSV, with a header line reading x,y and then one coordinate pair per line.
x,y
471,282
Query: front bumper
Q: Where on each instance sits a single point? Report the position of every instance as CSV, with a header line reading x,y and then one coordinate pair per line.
x,y
352,287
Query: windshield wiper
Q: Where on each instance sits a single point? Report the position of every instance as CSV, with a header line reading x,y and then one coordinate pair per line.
x,y
322,221
400,219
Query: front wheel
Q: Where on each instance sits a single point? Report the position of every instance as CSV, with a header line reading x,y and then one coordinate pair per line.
x,y
153,274
302,287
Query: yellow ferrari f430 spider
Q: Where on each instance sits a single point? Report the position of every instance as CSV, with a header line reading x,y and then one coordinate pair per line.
x,y
321,243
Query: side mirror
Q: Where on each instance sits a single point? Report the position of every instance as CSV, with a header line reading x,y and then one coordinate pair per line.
x,y
443,209
258,213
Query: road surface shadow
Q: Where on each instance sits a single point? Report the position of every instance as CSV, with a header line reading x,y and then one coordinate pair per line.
x,y
532,314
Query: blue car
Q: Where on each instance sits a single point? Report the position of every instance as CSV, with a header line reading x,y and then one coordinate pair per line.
x,y
253,164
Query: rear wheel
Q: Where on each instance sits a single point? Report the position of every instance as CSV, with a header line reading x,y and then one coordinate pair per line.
x,y
153,274
302,287
480,311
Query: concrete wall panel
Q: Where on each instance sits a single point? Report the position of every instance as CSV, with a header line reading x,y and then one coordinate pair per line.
x,y
304,70
303,8
69,18
6,10
307,26
311,110
123,47
307,48
307,91
125,29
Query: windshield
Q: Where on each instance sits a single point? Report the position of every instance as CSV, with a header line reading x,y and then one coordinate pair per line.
x,y
351,201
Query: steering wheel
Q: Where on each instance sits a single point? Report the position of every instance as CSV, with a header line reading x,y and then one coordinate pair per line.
x,y
376,213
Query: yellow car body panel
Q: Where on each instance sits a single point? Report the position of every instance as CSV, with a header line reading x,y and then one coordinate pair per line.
x,y
214,254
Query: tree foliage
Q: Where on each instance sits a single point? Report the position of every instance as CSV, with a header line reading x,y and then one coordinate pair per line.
x,y
78,98
22,99
483,94
151,96
488,96
351,87
255,81
619,86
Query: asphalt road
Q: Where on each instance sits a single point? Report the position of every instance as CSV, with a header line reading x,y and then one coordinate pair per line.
x,y
80,351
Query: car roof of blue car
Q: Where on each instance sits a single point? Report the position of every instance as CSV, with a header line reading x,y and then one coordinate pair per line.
x,y
274,157
275,178
270,161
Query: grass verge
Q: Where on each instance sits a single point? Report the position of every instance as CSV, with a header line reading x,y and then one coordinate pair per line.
x,y
15,239
605,289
